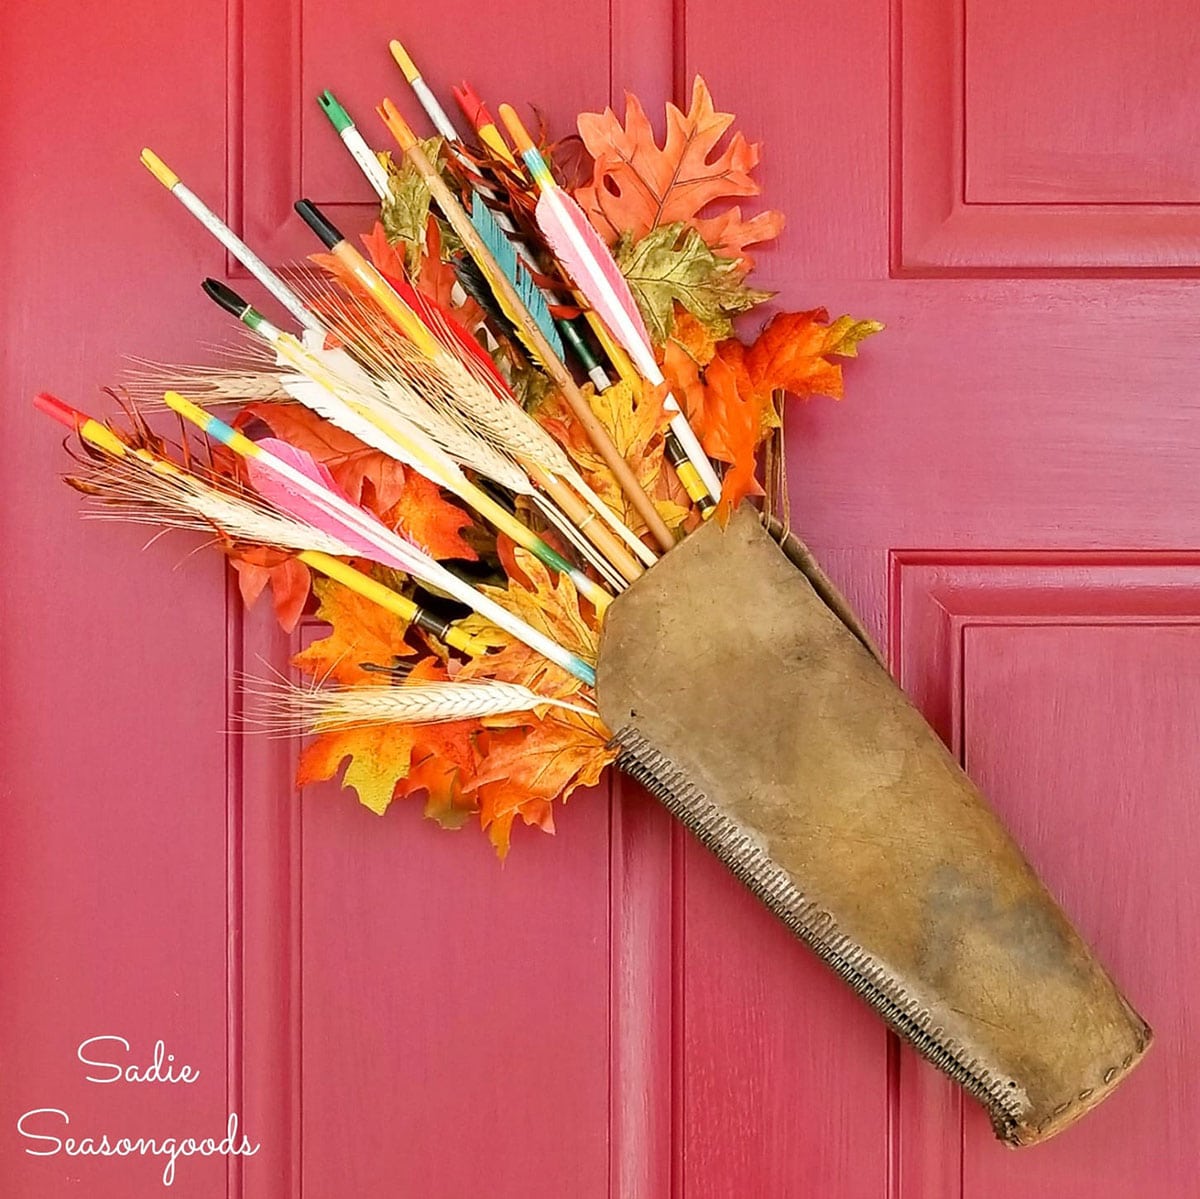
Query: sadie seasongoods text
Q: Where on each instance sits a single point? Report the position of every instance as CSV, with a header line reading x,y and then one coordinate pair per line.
x,y
44,1128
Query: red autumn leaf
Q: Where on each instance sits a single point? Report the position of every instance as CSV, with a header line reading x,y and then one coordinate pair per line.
x,y
290,581
437,279
637,186
434,278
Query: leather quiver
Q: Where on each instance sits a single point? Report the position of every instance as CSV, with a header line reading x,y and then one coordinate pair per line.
x,y
746,696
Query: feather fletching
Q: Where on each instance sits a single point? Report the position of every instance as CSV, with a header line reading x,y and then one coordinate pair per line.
x,y
283,494
505,254
293,481
131,489
470,277
566,229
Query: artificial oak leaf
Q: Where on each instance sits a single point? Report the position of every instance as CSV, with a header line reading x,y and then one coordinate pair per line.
x,y
693,338
792,352
361,631
499,806
554,755
673,264
382,756
405,211
290,581
443,757
533,762
367,476
637,186
430,520
552,606
636,423
379,757
385,254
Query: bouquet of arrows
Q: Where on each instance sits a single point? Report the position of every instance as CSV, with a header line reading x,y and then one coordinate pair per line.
x,y
479,429
509,450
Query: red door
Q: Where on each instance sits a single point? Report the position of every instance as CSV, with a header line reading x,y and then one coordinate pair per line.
x,y
1009,496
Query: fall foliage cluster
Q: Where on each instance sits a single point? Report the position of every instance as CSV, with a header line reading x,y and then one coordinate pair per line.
x,y
673,216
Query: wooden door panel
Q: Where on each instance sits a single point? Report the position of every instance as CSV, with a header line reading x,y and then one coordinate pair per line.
x,y
1035,139
1081,733
1065,685
112,830
1091,106
448,1002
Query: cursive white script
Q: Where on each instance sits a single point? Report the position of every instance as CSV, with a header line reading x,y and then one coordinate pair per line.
x,y
162,1067
172,1148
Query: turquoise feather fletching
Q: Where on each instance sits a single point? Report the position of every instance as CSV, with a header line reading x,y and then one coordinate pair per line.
x,y
505,254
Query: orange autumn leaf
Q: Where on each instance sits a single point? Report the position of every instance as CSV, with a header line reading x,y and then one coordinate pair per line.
x,y
383,254
637,186
685,354
636,423
552,606
733,427
443,760
501,803
378,757
712,383
361,631
727,389
430,520
531,762
546,758
792,352
367,476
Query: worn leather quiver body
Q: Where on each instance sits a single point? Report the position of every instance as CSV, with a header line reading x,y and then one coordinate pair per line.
x,y
747,697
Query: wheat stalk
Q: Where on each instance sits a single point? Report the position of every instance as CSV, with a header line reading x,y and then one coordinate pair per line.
x,y
132,490
283,708
459,389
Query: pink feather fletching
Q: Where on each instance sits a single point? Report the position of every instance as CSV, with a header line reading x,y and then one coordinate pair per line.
x,y
596,275
280,492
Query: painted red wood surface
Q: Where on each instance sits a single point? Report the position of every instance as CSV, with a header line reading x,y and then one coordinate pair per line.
x,y
1008,495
